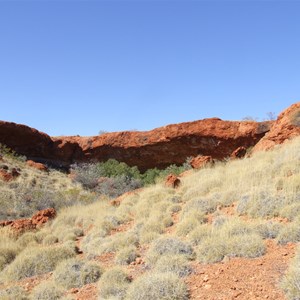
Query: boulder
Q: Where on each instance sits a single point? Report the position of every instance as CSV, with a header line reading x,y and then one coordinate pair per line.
x,y
38,166
172,181
5,175
200,161
239,152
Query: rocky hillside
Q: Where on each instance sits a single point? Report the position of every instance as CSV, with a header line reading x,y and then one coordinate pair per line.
x,y
225,231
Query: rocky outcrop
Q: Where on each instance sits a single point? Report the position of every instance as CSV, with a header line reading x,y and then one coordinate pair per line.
x,y
22,225
38,166
285,128
172,181
160,147
199,161
240,152
25,140
8,175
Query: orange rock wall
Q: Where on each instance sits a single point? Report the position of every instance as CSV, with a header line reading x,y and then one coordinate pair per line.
x,y
160,147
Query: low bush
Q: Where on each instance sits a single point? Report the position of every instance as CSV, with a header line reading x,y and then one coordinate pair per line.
x,y
27,238
175,208
50,240
290,211
7,255
117,178
116,186
291,280
74,273
113,284
203,205
246,245
46,291
36,261
189,222
218,245
289,233
158,286
14,293
176,264
200,233
211,250
169,246
126,255
268,230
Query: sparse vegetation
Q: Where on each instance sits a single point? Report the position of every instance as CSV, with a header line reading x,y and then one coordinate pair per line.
x,y
114,284
126,255
169,246
176,264
47,291
113,178
291,280
35,261
158,286
74,273
15,292
231,209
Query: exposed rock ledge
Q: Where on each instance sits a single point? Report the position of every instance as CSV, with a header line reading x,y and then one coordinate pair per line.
x,y
160,147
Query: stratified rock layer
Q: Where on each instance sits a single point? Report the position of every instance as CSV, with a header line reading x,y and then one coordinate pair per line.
x,y
159,148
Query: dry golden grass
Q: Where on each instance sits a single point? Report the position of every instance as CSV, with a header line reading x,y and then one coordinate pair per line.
x,y
35,190
291,280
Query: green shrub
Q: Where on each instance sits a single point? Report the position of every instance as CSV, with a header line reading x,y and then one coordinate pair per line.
x,y
120,175
46,291
158,286
113,284
36,261
74,273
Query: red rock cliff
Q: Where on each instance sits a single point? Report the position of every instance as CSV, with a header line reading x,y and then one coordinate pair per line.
x,y
286,127
160,147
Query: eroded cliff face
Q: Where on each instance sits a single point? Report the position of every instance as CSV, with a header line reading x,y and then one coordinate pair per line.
x,y
163,146
160,147
286,127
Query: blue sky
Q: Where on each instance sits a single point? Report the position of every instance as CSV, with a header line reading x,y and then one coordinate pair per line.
x,y
78,67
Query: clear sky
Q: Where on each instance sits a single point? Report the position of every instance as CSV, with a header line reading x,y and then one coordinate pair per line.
x,y
78,67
